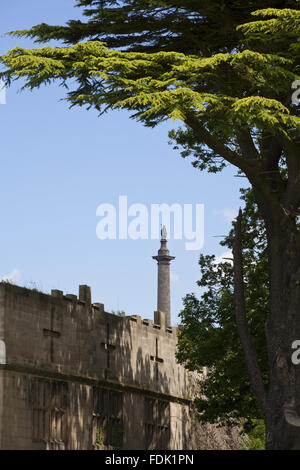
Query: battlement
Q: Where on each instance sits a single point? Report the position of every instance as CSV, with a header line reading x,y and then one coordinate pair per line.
x,y
67,333
85,298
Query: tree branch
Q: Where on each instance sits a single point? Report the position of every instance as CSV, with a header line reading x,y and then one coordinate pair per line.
x,y
218,147
251,167
246,339
246,143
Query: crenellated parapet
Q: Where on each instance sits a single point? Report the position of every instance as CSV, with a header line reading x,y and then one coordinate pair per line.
x,y
69,333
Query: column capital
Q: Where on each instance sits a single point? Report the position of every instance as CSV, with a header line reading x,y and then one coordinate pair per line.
x,y
161,258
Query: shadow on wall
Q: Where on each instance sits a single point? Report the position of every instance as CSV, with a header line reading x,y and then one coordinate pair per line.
x,y
64,335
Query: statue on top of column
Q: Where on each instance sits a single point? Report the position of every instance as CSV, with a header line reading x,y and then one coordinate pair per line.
x,y
164,233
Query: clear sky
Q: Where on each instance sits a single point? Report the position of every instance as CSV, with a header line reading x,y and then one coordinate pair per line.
x,y
58,165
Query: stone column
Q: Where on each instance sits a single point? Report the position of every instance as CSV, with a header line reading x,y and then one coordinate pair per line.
x,y
163,282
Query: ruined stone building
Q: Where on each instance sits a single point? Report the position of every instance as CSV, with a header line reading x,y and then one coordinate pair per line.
x,y
73,376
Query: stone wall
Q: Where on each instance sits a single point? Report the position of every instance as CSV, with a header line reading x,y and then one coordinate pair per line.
x,y
76,377
68,335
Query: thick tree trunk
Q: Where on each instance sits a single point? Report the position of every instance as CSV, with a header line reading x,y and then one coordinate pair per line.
x,y
281,402
282,329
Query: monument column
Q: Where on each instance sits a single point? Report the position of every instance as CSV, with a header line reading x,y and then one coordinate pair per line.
x,y
163,283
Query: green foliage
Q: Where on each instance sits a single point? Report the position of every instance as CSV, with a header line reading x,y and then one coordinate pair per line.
x,y
256,438
188,26
117,438
175,60
99,444
208,336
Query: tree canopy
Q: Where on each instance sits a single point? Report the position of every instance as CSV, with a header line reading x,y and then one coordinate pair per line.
x,y
232,101
188,26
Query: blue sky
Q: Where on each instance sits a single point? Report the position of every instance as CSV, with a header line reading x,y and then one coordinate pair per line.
x,y
58,165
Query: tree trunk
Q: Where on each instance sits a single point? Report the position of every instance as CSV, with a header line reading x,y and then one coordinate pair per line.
x,y
280,403
282,329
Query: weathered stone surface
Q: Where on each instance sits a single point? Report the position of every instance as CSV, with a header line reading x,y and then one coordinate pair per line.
x,y
57,293
160,319
77,377
163,259
85,294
